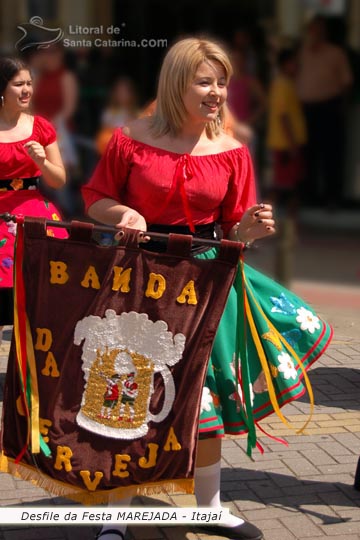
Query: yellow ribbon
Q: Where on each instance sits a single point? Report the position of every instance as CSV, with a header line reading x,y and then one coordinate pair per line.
x,y
35,403
264,362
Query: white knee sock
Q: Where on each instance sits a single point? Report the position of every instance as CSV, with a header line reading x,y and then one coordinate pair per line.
x,y
207,490
121,527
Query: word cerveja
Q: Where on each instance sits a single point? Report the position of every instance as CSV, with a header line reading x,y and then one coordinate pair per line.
x,y
121,282
64,454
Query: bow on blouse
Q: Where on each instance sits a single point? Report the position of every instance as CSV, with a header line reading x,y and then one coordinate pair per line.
x,y
183,173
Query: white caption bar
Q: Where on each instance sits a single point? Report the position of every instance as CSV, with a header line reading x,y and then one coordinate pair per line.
x,y
64,515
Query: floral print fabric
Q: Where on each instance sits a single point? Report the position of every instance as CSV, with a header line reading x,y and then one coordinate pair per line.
x,y
273,306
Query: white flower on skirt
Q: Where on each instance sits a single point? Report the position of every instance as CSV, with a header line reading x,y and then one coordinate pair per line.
x,y
308,321
233,396
286,366
206,400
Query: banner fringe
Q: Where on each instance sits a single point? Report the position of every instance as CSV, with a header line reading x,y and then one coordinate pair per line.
x,y
89,498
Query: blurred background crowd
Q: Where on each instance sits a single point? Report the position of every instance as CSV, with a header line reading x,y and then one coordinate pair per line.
x,y
294,97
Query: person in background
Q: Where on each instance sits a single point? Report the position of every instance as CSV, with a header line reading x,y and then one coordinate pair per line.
x,y
243,40
357,476
323,81
250,40
122,106
247,101
28,151
286,132
246,95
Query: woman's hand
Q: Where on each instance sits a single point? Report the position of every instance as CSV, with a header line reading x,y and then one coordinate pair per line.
x,y
131,219
36,152
257,222
49,161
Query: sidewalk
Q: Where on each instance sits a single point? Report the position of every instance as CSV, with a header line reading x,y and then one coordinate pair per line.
x,y
303,491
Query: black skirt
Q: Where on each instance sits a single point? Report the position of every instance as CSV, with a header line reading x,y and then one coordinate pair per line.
x,y
209,231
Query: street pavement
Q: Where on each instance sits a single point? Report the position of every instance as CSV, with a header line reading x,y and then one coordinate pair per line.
x,y
300,491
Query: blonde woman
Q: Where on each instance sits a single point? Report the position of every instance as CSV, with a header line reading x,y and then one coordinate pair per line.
x,y
178,171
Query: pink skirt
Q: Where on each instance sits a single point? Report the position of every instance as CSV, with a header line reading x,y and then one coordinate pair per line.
x,y
27,202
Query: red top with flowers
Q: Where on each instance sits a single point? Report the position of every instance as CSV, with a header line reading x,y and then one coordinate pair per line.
x,y
174,189
15,161
16,164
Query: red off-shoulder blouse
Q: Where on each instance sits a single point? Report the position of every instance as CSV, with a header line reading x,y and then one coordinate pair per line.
x,y
170,188
15,161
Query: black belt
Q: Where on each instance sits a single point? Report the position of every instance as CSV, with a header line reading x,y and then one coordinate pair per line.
x,y
19,184
201,231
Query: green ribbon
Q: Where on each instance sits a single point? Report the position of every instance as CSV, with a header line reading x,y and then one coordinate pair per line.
x,y
242,353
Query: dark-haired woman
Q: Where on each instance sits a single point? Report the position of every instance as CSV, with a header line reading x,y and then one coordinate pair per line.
x,y
28,150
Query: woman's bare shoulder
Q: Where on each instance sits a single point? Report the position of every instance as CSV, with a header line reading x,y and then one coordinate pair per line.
x,y
229,143
137,129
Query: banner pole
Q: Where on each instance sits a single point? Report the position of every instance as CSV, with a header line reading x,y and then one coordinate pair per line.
x,y
7,217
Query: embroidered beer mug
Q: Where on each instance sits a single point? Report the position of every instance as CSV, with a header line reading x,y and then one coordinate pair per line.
x,y
121,356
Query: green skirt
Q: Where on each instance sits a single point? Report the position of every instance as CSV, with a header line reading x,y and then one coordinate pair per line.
x,y
266,340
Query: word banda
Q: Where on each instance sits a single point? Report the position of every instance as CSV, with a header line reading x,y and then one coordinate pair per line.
x,y
121,282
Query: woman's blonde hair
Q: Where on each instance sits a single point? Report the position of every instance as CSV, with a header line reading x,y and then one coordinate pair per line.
x,y
177,72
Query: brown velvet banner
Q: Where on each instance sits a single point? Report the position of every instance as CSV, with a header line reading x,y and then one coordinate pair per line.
x,y
121,339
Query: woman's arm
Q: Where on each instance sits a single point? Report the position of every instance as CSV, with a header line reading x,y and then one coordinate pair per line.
x,y
49,161
110,212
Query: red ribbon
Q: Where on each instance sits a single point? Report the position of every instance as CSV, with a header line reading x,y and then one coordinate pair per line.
x,y
277,439
20,295
183,173
20,320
